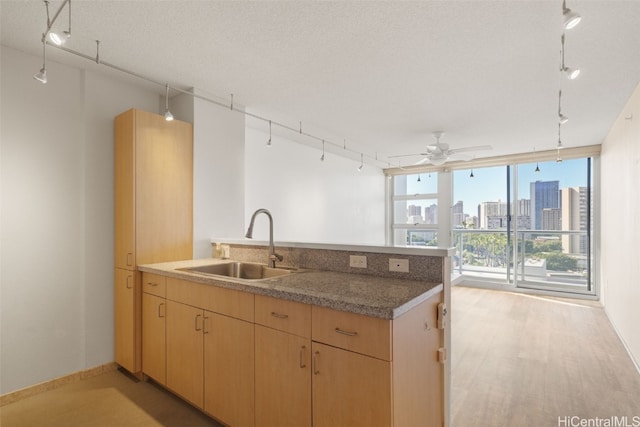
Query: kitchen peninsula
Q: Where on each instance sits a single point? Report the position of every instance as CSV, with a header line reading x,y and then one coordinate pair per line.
x,y
324,344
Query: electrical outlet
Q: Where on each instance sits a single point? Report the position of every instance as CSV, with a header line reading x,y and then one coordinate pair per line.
x,y
357,261
399,265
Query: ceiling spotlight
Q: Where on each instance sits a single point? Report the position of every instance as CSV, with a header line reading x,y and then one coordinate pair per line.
x,y
58,38
167,114
571,19
563,119
572,73
41,76
322,158
361,163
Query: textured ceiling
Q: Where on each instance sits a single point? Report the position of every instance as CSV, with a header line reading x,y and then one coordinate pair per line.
x,y
382,75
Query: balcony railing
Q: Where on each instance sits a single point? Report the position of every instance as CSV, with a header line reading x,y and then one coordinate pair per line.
x,y
540,258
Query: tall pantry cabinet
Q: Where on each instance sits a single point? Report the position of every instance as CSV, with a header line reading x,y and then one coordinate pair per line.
x,y
153,193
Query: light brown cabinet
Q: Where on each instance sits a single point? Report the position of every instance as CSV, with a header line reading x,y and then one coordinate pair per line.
x,y
153,197
154,359
185,351
350,389
283,363
254,360
229,369
127,320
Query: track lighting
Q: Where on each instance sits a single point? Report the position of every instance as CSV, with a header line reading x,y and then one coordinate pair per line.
x,y
537,167
58,38
322,158
41,76
562,119
361,162
167,114
269,141
572,73
571,19
471,175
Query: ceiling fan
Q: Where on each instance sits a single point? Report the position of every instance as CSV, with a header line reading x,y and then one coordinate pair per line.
x,y
439,153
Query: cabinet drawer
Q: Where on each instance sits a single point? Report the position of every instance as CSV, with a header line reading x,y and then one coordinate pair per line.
x,y
210,297
154,284
355,332
288,316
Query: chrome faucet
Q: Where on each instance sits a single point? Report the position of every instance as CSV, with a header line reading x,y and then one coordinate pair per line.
x,y
273,256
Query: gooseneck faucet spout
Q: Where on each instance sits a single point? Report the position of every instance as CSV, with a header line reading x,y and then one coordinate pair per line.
x,y
273,256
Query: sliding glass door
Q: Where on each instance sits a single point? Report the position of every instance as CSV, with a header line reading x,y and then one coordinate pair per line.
x,y
527,225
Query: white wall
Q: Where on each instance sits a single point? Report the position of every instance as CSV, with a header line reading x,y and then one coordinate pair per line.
x,y
56,276
56,206
620,226
218,169
312,201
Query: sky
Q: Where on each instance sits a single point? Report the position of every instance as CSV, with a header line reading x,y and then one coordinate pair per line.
x,y
489,184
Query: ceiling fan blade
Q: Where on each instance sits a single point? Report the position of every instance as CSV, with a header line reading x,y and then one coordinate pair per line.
x,y
424,160
460,156
408,155
465,149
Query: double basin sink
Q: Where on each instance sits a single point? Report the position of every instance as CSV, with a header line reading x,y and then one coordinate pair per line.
x,y
241,270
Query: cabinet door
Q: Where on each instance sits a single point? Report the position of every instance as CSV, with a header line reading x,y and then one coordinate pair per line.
x,y
127,320
282,379
228,369
124,214
185,351
153,337
163,189
350,389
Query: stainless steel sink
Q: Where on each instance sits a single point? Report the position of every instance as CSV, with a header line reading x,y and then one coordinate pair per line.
x,y
240,270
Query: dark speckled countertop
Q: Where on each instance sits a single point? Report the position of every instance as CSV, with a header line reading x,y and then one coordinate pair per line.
x,y
381,297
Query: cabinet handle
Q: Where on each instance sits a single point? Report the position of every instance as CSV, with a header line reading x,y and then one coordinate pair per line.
x,y
152,284
204,325
279,316
129,280
160,314
315,363
198,316
130,258
347,333
302,364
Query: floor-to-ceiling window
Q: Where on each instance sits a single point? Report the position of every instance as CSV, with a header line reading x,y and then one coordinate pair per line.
x,y
527,224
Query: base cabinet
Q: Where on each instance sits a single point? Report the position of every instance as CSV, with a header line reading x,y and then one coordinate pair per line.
x,y
127,320
283,379
229,369
154,360
185,351
288,364
350,389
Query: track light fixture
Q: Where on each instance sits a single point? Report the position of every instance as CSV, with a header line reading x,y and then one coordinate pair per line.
x,y
269,141
572,73
361,162
58,38
471,175
167,114
562,119
537,167
571,19
41,76
322,158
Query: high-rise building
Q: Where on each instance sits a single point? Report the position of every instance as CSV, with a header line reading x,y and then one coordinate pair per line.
x,y
431,214
488,210
544,195
574,218
458,214
551,219
413,210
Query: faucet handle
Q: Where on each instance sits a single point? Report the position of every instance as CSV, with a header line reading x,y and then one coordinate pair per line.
x,y
276,257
